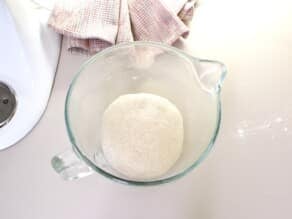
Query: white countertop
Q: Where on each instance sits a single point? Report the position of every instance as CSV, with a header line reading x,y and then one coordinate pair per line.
x,y
248,173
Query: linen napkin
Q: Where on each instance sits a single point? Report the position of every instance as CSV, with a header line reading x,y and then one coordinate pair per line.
x,y
89,26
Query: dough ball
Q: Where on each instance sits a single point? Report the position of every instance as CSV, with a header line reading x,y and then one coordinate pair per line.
x,y
142,135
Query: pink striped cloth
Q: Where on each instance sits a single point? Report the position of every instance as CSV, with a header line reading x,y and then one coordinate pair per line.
x,y
89,26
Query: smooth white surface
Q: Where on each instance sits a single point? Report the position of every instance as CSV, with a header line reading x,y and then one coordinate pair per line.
x,y
28,60
246,176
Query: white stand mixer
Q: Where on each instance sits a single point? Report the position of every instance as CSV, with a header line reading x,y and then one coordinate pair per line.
x,y
28,60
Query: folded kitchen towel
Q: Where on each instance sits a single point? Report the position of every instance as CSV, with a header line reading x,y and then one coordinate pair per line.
x,y
153,21
92,25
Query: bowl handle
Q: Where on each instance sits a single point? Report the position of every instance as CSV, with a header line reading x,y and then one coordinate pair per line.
x,y
69,166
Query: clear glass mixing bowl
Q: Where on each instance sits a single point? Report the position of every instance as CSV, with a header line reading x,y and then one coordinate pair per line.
x,y
192,84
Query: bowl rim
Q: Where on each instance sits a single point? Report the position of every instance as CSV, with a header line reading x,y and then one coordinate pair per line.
x,y
109,175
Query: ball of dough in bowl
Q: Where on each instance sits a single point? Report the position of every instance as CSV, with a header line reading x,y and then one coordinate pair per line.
x,y
142,135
